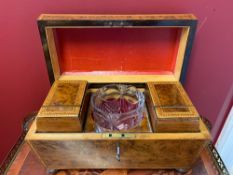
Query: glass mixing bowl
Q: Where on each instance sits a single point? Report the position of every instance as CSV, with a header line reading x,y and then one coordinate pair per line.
x,y
117,107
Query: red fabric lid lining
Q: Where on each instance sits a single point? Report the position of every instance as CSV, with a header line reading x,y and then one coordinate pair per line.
x,y
118,50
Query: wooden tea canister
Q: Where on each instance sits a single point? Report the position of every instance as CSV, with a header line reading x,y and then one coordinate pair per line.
x,y
172,109
61,110
93,50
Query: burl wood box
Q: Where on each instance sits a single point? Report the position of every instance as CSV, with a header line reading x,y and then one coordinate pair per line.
x,y
171,108
61,110
150,52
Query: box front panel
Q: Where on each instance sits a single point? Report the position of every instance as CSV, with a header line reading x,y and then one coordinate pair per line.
x,y
135,154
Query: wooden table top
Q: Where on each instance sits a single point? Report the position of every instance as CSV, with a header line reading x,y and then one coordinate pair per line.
x,y
27,163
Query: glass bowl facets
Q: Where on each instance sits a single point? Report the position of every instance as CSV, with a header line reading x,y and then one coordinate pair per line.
x,y
117,107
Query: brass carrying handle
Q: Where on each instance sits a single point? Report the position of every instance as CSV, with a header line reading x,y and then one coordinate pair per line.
x,y
118,151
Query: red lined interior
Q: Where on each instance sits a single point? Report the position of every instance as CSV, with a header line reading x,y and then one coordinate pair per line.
x,y
121,50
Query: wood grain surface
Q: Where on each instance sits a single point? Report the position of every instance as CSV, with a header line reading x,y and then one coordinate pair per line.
x,y
117,17
27,163
137,154
137,150
61,110
171,108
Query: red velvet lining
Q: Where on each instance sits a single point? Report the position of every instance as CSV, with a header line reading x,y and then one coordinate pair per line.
x,y
127,50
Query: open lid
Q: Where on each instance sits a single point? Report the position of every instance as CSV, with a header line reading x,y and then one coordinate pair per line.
x,y
117,48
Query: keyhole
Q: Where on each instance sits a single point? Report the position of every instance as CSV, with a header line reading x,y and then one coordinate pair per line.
x,y
118,151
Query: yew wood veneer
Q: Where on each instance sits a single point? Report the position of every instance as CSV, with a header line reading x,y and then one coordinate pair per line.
x,y
131,49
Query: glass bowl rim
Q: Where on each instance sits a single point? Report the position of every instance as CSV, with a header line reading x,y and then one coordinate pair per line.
x,y
139,94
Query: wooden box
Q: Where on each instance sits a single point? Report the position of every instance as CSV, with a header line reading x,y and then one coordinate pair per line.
x,y
172,109
61,110
129,49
